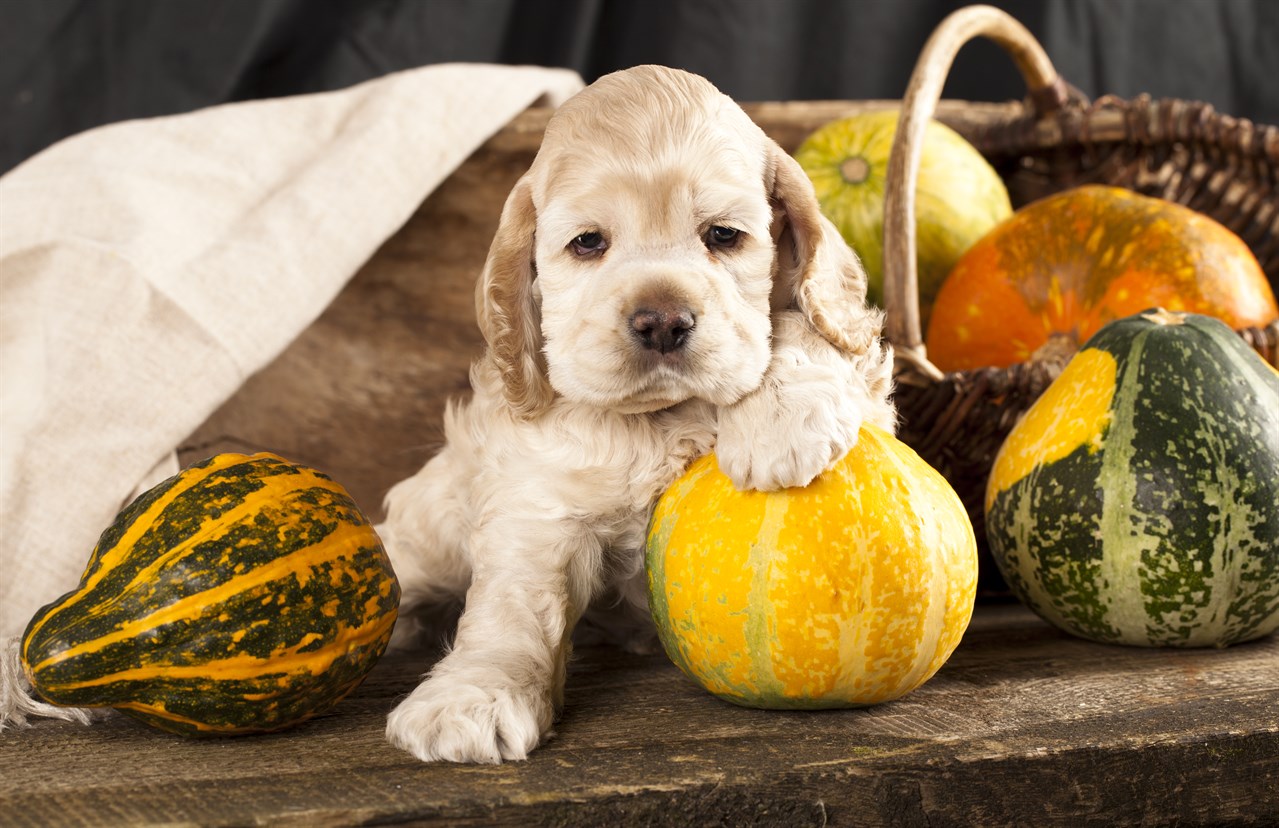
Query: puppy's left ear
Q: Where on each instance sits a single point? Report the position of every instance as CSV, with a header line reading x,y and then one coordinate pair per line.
x,y
816,270
506,306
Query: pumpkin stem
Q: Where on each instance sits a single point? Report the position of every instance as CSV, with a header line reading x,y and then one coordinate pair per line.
x,y
1058,350
1159,316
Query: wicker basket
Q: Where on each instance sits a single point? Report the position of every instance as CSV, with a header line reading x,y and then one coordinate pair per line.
x,y
1183,151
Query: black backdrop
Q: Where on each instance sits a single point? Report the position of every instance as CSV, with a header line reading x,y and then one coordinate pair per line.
x,y
67,65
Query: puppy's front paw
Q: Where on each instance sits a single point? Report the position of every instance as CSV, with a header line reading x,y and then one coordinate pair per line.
x,y
444,720
803,418
792,451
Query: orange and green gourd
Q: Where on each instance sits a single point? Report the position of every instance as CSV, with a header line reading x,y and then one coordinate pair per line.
x,y
244,594
1070,263
851,591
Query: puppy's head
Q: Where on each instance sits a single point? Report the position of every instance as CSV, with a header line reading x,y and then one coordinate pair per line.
x,y
637,263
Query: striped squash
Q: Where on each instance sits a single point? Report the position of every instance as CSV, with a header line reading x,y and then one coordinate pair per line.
x,y
1137,501
244,594
851,591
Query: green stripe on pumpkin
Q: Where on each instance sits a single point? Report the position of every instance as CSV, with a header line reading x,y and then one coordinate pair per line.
x,y
761,619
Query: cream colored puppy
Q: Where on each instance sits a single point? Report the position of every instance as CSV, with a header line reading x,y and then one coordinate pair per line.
x,y
661,285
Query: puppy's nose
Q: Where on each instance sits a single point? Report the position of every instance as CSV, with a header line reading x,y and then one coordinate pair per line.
x,y
662,329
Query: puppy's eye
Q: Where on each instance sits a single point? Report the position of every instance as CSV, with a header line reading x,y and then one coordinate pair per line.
x,y
722,237
588,244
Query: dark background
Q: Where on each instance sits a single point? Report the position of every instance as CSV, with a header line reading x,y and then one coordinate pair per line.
x,y
67,65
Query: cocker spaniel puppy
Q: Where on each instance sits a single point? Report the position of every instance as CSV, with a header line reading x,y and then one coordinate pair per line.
x,y
661,285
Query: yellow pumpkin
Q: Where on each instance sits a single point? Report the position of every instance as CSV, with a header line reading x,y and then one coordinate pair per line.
x,y
851,591
958,198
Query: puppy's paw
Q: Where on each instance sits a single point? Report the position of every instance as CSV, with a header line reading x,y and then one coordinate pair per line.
x,y
804,417
444,720
799,446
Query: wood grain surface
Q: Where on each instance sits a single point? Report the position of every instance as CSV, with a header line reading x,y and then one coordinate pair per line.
x,y
1024,726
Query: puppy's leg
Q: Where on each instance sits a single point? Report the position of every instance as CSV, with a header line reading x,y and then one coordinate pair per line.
x,y
807,411
424,535
494,696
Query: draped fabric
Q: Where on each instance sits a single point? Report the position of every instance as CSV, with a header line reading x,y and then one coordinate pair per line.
x,y
147,268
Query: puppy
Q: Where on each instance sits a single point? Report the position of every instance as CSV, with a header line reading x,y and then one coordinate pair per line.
x,y
661,284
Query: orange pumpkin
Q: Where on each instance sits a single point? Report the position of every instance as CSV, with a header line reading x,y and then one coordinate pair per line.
x,y
1070,263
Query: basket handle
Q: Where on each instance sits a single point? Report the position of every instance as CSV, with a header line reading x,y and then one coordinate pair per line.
x,y
1047,92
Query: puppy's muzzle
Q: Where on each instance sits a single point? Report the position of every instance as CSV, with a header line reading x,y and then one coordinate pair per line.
x,y
664,329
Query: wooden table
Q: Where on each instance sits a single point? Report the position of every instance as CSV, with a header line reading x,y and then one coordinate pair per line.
x,y
1024,725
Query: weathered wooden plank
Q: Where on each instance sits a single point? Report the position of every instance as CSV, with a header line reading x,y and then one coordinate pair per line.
x,y
361,392
1025,725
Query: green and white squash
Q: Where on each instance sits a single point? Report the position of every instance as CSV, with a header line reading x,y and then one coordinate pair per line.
x,y
244,594
1137,502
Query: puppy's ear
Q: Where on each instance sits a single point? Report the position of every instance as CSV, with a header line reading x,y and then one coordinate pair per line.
x,y
816,270
506,306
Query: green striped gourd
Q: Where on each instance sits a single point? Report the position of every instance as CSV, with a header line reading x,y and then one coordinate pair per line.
x,y
1137,501
244,594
